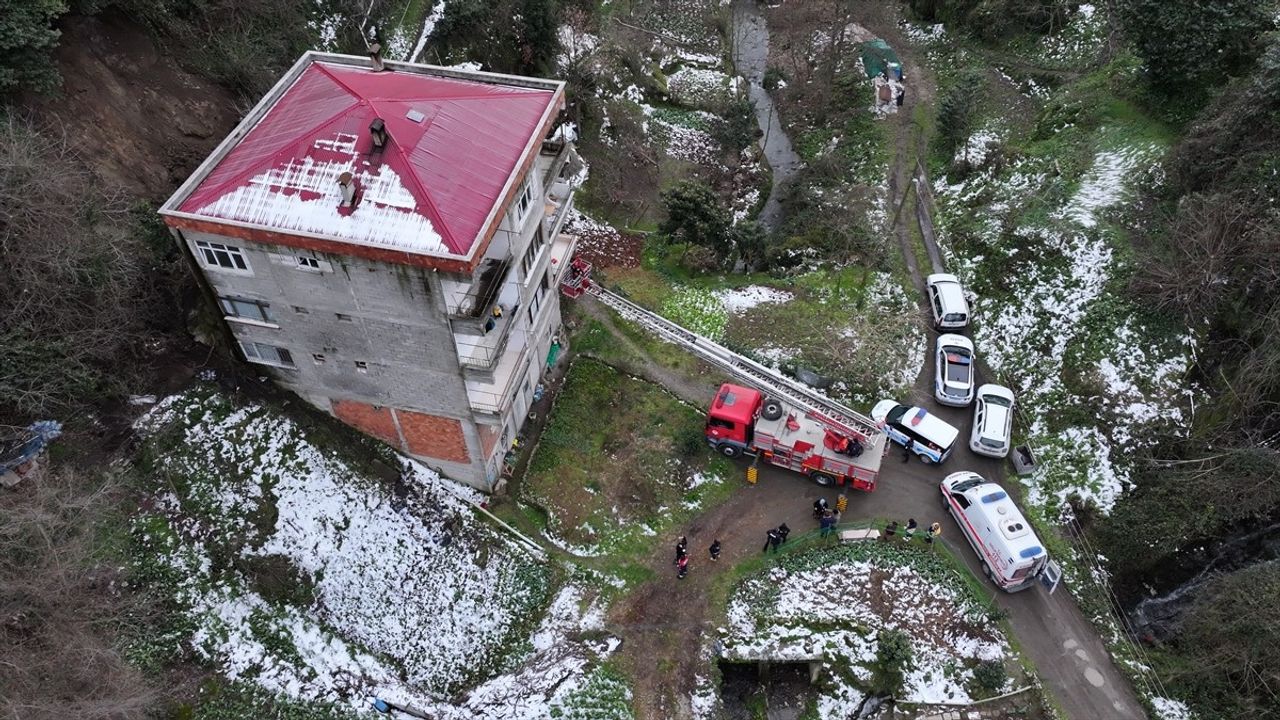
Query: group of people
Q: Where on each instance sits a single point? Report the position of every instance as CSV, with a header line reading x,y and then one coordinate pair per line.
x,y
775,537
827,519
682,555
826,516
910,529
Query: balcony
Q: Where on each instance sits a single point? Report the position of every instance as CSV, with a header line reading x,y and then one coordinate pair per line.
x,y
482,351
559,206
494,397
475,301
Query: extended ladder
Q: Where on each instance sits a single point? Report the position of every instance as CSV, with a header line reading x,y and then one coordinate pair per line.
x,y
816,405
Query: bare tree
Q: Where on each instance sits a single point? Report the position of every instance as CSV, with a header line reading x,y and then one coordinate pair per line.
x,y
59,608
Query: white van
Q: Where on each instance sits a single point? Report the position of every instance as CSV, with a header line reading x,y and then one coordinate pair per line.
x,y
947,301
1012,555
992,421
914,428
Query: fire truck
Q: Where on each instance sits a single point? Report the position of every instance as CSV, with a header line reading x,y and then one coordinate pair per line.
x,y
765,413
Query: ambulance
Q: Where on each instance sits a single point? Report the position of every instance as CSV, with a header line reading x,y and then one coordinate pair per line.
x,y
1011,554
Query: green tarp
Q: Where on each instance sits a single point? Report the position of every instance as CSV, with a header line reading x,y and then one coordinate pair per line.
x,y
878,57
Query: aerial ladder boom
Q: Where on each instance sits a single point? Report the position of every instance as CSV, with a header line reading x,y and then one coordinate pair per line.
x,y
817,406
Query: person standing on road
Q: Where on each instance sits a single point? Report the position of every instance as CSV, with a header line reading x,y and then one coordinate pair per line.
x,y
715,550
682,549
771,539
906,452
828,523
682,567
819,507
842,504
910,531
783,532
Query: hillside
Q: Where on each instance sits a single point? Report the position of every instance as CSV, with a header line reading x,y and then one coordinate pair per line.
x,y
1102,178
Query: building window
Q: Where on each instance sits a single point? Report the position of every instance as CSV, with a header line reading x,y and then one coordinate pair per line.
x,y
300,310
531,254
308,263
245,309
525,200
318,358
266,354
345,318
224,257
362,366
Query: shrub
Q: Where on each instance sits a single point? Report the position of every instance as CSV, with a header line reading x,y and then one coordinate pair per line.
x,y
75,271
893,661
989,676
696,216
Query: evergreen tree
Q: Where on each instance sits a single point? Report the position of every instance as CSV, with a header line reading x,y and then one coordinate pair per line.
x,y
27,40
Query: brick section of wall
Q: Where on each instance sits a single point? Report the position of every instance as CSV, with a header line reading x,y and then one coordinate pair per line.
x,y
368,419
488,438
433,436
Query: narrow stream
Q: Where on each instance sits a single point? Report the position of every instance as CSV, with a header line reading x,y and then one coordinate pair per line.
x,y
751,56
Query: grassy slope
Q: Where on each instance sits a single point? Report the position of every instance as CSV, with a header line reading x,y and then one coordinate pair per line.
x,y
614,466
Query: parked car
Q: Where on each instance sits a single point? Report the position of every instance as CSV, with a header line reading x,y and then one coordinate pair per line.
x,y
1012,556
928,436
948,301
953,379
992,421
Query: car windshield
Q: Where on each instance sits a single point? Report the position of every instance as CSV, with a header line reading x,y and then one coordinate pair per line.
x,y
895,415
992,443
997,401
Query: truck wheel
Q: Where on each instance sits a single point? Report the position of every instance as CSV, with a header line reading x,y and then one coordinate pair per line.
x,y
822,478
729,451
772,409
925,459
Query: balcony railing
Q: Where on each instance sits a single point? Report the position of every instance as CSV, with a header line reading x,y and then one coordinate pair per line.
x,y
481,352
496,401
558,212
477,301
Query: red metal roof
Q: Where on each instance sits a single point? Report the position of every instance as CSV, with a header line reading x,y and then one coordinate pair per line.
x,y
735,403
429,190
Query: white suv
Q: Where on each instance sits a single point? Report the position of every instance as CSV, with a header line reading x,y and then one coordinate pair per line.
x,y
947,301
992,421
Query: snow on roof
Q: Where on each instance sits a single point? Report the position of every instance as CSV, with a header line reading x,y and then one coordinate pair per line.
x,y
453,145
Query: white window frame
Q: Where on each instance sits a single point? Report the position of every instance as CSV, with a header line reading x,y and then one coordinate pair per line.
x,y
256,352
307,263
524,201
231,311
207,248
533,254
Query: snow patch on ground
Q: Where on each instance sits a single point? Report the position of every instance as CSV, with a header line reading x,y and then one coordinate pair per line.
x,y
1106,183
1168,709
740,300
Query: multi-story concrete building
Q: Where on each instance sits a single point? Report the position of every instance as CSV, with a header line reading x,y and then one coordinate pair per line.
x,y
384,238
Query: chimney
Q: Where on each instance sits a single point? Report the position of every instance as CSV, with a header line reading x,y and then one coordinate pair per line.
x,y
375,54
378,132
347,187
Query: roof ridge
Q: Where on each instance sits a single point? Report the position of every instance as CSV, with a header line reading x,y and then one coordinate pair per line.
x,y
437,220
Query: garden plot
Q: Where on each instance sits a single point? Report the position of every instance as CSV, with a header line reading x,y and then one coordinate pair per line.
x,y
291,567
1094,375
831,603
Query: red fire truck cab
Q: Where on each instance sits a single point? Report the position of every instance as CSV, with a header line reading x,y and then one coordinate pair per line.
x,y
742,420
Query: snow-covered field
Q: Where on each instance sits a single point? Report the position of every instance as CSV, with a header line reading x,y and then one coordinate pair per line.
x,y
304,574
830,604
